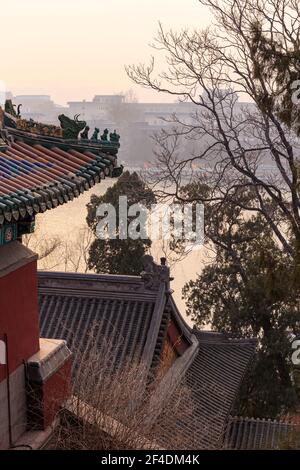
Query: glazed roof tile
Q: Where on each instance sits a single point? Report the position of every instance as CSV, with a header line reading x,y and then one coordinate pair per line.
x,y
39,173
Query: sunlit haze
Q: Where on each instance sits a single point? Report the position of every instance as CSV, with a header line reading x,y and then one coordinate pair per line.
x,y
75,49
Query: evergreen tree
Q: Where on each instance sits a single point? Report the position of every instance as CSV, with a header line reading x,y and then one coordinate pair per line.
x,y
116,256
247,291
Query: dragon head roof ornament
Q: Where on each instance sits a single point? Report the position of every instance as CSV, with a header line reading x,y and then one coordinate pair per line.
x,y
71,127
154,275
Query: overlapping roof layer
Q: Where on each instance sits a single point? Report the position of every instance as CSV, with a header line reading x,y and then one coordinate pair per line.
x,y
38,175
133,319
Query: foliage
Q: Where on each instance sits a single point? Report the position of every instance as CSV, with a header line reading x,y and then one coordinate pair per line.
x,y
292,441
57,253
246,291
211,69
119,256
277,62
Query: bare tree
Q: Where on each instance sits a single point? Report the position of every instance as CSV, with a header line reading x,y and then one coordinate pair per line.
x,y
56,253
117,407
211,69
46,247
127,111
75,253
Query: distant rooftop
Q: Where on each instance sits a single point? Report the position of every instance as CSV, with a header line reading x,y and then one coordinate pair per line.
x,y
108,98
33,97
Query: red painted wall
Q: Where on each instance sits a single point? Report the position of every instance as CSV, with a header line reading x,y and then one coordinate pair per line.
x,y
19,317
55,392
45,399
178,341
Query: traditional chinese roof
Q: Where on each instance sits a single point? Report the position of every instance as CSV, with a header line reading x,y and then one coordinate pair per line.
x,y
43,166
214,377
261,434
139,316
71,303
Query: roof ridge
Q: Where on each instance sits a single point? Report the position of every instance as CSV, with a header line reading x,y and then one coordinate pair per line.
x,y
96,276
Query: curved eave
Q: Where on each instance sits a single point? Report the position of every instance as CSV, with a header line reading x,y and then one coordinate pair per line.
x,y
99,146
37,177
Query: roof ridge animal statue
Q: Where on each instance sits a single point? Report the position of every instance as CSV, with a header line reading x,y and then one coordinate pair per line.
x,y
85,134
95,134
114,137
10,109
104,136
71,127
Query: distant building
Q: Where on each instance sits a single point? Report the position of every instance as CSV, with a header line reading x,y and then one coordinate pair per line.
x,y
107,100
98,110
38,107
136,122
156,114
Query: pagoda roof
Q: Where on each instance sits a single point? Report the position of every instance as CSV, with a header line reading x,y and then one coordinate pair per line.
x,y
135,316
38,172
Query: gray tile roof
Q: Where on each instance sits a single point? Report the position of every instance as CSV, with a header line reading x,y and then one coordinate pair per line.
x,y
262,434
126,308
214,378
114,307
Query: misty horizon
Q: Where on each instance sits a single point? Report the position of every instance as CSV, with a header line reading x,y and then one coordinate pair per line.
x,y
72,51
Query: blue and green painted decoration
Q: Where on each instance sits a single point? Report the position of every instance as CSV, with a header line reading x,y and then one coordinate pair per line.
x,y
13,231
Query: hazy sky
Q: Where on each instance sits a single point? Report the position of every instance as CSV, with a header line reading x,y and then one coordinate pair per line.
x,y
73,49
